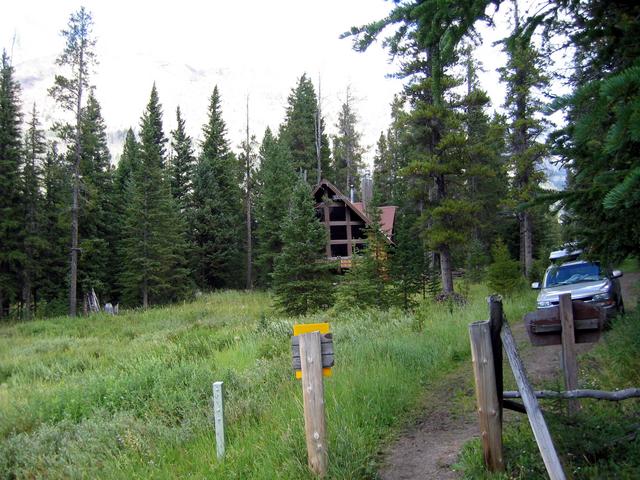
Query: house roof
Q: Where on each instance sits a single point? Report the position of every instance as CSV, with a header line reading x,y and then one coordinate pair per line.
x,y
387,217
330,186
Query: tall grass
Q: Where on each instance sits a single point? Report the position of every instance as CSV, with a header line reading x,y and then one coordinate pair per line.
x,y
129,396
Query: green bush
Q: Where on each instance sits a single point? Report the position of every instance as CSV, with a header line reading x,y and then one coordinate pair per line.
x,y
503,275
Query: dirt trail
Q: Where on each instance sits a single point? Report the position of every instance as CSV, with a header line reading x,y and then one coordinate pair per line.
x,y
429,448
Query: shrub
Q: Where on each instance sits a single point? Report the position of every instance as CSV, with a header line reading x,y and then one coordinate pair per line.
x,y
503,275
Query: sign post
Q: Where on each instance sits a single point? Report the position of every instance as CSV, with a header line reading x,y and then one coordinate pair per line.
x,y
218,418
312,348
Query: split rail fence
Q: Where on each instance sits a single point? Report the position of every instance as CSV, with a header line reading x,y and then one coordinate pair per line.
x,y
488,339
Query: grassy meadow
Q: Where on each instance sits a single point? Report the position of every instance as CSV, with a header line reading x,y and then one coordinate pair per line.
x,y
129,396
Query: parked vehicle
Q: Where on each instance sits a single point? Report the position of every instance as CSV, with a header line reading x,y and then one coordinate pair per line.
x,y
584,280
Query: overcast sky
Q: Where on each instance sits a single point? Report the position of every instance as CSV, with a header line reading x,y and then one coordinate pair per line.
x,y
246,47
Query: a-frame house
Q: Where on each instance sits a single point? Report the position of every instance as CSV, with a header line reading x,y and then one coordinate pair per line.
x,y
346,222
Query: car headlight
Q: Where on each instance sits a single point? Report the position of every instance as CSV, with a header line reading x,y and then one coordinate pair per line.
x,y
601,297
544,304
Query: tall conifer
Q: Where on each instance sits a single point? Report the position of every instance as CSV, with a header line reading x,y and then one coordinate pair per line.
x,y
154,245
347,150
216,221
57,182
33,247
10,202
97,223
524,76
275,179
298,132
182,164
301,279
78,57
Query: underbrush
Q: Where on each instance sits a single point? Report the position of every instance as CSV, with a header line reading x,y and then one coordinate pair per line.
x,y
602,440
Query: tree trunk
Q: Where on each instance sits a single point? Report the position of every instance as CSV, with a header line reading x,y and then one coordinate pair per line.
x,y
73,284
528,244
249,284
249,246
445,270
1,304
26,297
145,294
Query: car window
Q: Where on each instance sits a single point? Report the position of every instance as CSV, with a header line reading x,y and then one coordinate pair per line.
x,y
569,274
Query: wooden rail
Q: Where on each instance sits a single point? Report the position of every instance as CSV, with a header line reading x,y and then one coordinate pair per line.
x,y
585,393
534,414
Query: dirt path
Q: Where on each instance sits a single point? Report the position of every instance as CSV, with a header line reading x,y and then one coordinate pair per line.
x,y
430,447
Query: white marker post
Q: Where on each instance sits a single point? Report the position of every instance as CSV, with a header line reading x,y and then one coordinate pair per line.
x,y
218,417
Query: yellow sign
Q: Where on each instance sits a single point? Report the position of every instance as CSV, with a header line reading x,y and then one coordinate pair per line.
x,y
301,328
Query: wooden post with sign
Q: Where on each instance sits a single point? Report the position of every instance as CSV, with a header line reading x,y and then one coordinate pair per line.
x,y
312,359
569,360
313,400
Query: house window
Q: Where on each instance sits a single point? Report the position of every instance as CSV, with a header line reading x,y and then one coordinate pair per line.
x,y
338,232
338,213
339,250
357,231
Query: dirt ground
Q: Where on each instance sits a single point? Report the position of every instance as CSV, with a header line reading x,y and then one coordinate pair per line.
x,y
429,448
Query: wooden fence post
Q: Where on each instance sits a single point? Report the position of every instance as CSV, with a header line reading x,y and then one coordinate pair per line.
x,y
496,317
313,400
218,418
486,395
569,361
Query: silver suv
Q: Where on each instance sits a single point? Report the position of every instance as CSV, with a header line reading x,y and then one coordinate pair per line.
x,y
586,281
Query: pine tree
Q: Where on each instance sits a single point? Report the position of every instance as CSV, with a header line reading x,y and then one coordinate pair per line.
x,y
247,166
78,57
347,151
182,164
504,276
301,279
217,201
10,201
57,183
97,229
129,163
407,262
599,143
154,245
429,35
275,179
298,132
367,283
523,75
33,246
488,179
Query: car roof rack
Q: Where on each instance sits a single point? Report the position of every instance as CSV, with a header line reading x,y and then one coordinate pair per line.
x,y
566,254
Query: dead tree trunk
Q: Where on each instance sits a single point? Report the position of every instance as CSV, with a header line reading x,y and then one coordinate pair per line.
x,y
73,284
249,283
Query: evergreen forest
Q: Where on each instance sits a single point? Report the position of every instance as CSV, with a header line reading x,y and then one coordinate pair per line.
x,y
174,218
